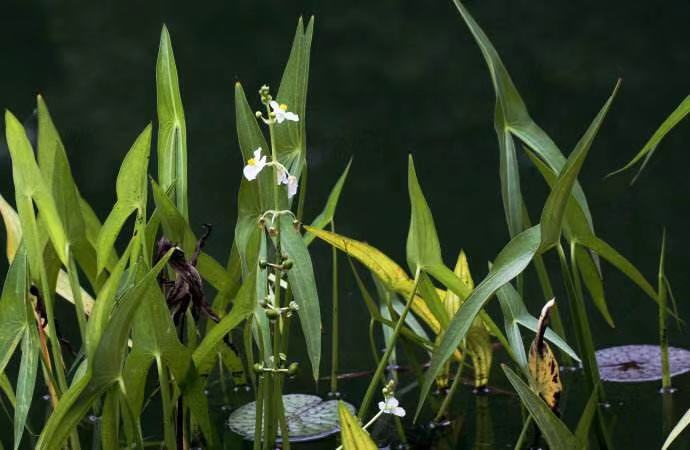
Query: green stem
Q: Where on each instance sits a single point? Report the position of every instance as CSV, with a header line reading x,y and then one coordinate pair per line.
x,y
58,362
453,387
334,341
523,434
663,327
258,422
389,349
75,286
164,383
372,342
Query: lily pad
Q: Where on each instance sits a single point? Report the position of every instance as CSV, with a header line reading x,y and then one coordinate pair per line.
x,y
638,363
308,418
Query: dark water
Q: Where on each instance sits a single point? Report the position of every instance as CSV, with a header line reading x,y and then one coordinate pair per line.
x,y
390,78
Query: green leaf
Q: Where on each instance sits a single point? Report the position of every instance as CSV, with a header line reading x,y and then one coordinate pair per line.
x,y
353,436
650,147
242,308
13,317
13,229
172,131
677,430
514,314
585,422
54,165
301,281
328,213
26,380
554,209
617,260
555,432
131,196
105,363
513,119
31,189
509,263
291,140
423,247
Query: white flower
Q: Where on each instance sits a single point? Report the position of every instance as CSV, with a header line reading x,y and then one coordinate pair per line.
x,y
282,175
291,186
390,406
254,165
281,112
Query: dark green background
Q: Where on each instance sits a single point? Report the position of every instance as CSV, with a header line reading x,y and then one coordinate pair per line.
x,y
388,78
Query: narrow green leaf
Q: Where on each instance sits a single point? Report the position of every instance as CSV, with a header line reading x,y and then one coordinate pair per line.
x,y
423,247
301,281
105,364
585,422
26,382
554,209
509,263
555,432
291,140
242,308
31,189
131,196
617,260
13,317
353,436
172,131
650,147
328,213
513,119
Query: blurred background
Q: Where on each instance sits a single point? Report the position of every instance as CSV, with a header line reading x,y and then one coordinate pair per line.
x,y
388,78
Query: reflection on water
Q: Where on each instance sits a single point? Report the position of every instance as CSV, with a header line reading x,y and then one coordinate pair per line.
x,y
389,78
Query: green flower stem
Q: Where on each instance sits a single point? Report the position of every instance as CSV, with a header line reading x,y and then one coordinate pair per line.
x,y
334,341
163,382
386,356
259,412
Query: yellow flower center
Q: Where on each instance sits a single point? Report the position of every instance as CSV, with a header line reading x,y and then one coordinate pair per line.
x,y
283,106
251,162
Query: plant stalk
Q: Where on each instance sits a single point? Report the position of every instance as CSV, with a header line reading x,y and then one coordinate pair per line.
x,y
384,360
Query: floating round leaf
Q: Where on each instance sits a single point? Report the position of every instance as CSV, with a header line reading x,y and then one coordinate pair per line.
x,y
637,363
308,418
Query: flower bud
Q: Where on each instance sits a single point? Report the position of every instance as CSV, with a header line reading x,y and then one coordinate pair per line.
x,y
272,314
258,367
263,264
272,231
287,265
292,369
258,114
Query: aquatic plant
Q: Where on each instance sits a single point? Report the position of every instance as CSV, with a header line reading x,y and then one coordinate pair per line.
x,y
139,285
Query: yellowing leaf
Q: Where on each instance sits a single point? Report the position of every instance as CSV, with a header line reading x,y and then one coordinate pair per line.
x,y
352,434
12,227
543,366
391,274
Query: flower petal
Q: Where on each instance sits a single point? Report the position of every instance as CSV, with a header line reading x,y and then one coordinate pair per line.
x,y
282,176
291,186
382,406
251,171
291,116
399,411
392,402
275,105
257,154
